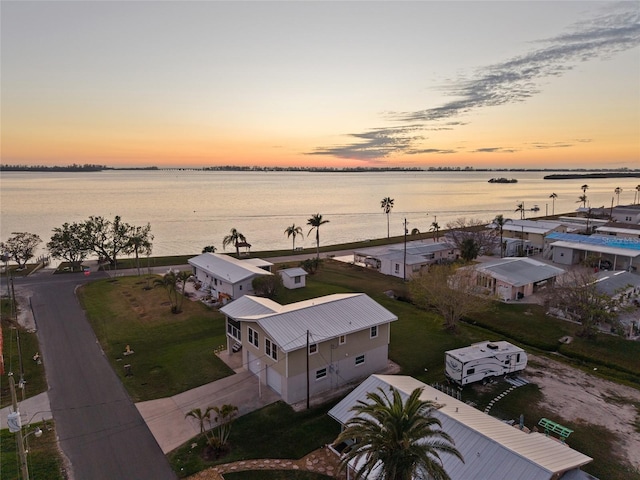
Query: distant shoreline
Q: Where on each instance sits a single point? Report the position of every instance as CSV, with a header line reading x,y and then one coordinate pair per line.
x,y
613,174
580,173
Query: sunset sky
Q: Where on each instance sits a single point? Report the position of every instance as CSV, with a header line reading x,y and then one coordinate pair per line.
x,y
327,83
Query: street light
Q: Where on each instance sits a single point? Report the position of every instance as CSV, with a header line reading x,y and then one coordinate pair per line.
x,y
37,432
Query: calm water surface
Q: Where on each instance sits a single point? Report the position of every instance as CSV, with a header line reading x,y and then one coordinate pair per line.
x,y
188,210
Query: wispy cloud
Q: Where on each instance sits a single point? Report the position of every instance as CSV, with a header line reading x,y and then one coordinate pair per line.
x,y
494,150
512,81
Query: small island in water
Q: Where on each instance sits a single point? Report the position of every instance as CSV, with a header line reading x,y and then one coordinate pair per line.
x,y
503,180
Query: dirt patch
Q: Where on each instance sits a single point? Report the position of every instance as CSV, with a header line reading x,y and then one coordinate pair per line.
x,y
585,398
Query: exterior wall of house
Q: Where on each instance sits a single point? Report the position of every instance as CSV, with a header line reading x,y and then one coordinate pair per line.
x,y
290,282
339,363
565,255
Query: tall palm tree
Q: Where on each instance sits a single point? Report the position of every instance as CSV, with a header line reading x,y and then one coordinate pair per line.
x,y
293,231
436,229
583,199
387,204
140,243
636,198
402,440
553,197
500,222
520,208
618,191
584,189
234,238
315,221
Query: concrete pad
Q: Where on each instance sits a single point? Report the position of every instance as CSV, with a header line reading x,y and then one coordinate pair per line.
x,y
167,419
32,410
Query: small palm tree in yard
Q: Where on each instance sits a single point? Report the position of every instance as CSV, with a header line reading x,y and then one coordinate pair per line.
x,y
169,282
218,435
293,231
401,440
553,197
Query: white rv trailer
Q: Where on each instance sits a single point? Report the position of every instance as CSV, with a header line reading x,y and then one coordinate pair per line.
x,y
482,360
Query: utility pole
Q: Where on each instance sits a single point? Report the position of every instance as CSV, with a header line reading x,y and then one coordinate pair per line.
x,y
307,369
404,267
24,469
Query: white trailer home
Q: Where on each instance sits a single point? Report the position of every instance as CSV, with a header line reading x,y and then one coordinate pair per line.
x,y
484,359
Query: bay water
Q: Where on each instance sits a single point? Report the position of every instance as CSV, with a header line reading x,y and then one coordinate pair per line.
x,y
190,209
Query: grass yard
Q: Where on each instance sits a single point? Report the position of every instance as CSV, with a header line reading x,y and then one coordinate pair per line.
x,y
275,431
34,374
167,346
172,352
43,459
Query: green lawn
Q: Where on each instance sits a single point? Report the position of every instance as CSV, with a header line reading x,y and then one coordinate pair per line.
x,y
275,431
166,346
43,459
34,374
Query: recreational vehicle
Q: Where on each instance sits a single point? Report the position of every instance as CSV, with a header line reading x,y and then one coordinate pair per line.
x,y
482,360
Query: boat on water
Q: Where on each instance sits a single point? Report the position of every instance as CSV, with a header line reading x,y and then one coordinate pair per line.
x,y
503,180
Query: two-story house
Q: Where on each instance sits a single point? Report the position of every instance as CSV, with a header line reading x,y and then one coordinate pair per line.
x,y
312,346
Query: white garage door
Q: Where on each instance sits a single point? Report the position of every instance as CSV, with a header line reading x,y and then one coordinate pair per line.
x,y
274,380
254,364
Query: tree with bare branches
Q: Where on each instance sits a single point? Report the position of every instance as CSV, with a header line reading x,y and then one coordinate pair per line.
x,y
451,291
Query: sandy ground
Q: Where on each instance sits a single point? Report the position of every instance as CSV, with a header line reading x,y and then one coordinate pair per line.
x,y
582,397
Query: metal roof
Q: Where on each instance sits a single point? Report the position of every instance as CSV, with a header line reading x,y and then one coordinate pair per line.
x,y
491,448
596,248
226,267
294,272
628,244
612,283
250,305
625,230
519,271
324,317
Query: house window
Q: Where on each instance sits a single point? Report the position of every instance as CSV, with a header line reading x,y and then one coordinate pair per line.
x,y
342,339
320,374
253,337
374,331
271,349
215,281
297,279
233,329
240,287
313,348
359,359
471,371
397,268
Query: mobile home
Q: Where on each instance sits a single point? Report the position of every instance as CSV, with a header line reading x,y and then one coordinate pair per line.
x,y
482,360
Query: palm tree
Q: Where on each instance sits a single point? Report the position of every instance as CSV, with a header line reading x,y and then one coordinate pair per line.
x,y
500,222
200,416
618,191
140,242
401,440
315,221
168,282
223,418
234,238
520,208
583,199
436,229
636,198
584,189
553,197
293,231
387,204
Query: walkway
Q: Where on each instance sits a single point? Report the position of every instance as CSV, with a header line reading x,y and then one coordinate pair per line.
x,y
322,461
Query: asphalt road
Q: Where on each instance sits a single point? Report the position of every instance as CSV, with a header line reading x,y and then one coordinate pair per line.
x,y
99,428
